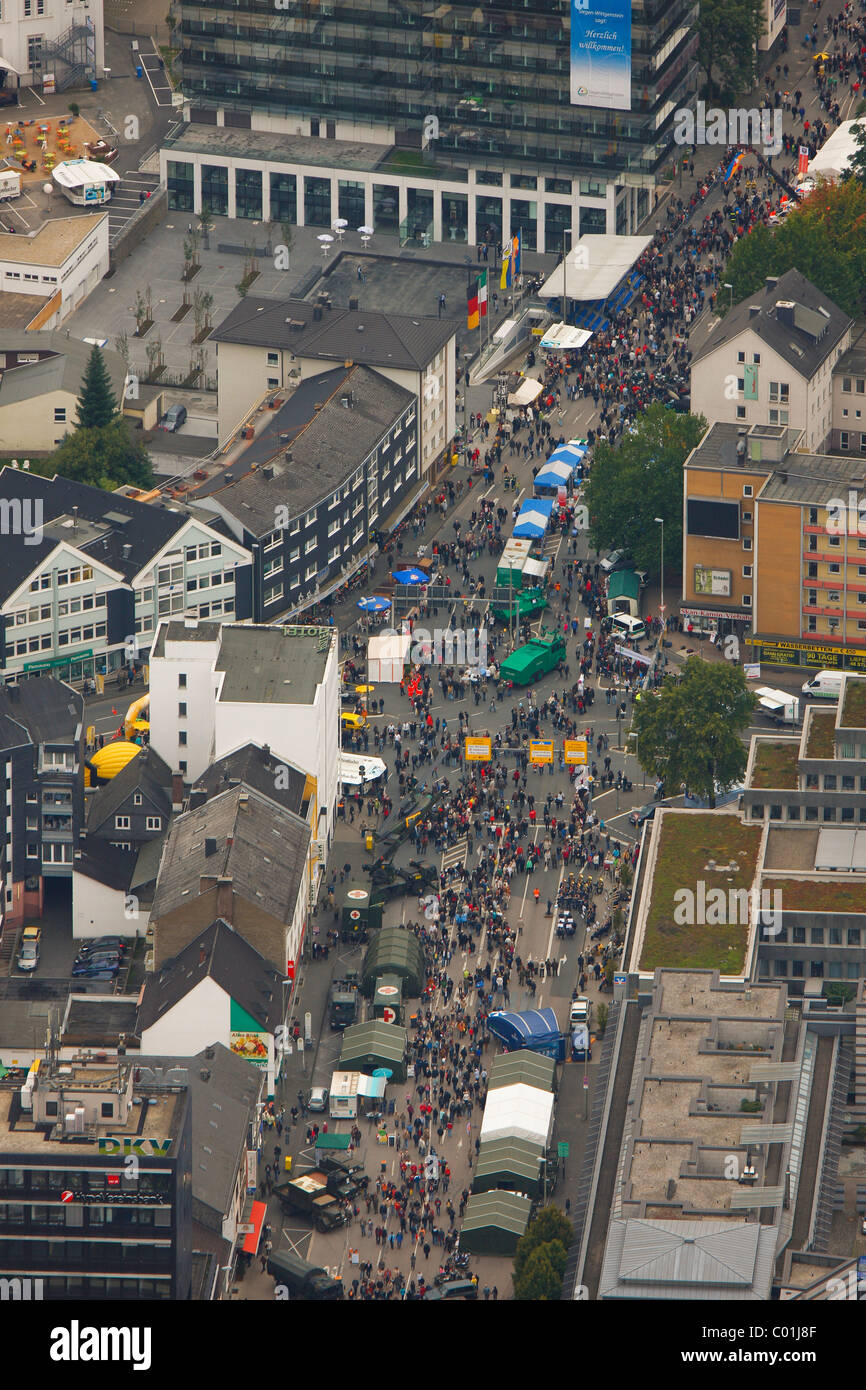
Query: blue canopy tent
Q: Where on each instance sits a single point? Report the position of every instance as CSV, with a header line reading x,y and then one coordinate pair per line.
x,y
535,1029
376,604
533,517
573,454
554,475
411,576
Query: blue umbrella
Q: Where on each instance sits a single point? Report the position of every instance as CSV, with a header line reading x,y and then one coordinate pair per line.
x,y
374,604
412,576
383,1071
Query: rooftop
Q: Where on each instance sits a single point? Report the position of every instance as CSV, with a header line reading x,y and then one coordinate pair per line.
x,y
794,319
820,742
17,311
718,448
53,243
19,1133
364,336
839,894
854,708
61,369
40,709
695,847
277,148
272,665
775,764
221,954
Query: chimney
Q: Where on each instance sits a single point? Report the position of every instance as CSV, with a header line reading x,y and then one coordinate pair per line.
x,y
266,753
202,955
288,456
244,801
754,310
353,304
177,791
127,551
75,518
210,846
206,883
225,900
785,312
197,797
771,282
268,471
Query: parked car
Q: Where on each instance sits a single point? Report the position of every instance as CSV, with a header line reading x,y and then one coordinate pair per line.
x,y
579,1011
457,1288
318,1099
28,953
643,813
173,418
96,971
101,948
616,560
96,943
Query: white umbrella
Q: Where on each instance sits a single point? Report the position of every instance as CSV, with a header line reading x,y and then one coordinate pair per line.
x,y
339,225
325,238
366,231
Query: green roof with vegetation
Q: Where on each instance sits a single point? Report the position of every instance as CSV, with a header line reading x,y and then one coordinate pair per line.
x,y
688,841
818,895
820,743
854,713
775,765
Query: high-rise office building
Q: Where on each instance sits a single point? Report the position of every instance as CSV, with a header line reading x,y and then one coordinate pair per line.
x,y
459,122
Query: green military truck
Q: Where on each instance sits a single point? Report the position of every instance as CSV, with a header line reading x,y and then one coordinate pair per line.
x,y
297,1278
522,605
534,659
310,1194
344,1001
358,914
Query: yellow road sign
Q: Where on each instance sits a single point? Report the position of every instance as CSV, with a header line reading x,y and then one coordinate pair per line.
x,y
478,750
541,750
575,751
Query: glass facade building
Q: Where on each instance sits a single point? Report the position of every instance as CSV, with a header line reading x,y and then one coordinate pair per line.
x,y
480,85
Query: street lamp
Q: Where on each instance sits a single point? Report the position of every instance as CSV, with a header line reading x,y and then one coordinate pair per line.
x,y
727,286
661,522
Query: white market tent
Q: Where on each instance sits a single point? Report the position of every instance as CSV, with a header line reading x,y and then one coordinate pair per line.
x,y
563,337
834,156
596,265
518,1112
350,769
554,474
528,390
84,180
387,654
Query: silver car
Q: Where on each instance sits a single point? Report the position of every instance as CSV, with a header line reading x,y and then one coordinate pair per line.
x,y
28,957
318,1099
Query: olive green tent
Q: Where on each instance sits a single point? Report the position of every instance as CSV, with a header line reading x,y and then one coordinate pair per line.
x,y
511,1165
494,1223
367,1046
394,951
523,1068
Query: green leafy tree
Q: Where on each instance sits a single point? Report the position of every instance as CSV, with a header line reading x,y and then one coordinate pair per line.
x,y
549,1225
541,1279
96,403
104,456
689,730
728,33
639,478
825,240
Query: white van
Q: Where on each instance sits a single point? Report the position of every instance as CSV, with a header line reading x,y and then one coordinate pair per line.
x,y
826,685
624,625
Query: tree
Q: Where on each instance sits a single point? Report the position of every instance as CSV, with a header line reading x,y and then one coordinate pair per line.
x,y
728,33
104,456
857,165
825,239
96,404
638,479
121,344
689,730
541,1279
601,1015
549,1225
288,233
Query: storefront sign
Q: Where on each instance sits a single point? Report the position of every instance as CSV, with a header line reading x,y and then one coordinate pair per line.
x,y
789,654
710,581
144,1148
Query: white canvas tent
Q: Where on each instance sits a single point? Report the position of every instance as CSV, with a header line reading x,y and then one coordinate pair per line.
x,y
834,156
526,392
595,267
518,1112
387,654
564,337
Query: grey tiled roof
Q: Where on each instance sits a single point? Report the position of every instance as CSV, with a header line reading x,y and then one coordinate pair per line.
x,y
814,313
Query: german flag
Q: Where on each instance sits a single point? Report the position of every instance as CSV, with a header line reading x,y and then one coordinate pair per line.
x,y
472,315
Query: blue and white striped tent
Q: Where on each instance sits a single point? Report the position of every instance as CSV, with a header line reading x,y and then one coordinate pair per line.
x,y
554,475
572,454
533,517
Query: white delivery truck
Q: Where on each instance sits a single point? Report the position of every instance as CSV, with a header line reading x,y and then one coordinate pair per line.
x,y
10,184
826,685
778,705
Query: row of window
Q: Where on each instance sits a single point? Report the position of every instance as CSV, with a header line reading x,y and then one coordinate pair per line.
x,y
796,969
124,823
828,814
79,574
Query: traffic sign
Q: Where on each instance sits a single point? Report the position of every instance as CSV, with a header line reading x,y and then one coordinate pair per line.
x,y
541,750
575,751
562,1149
586,1083
478,750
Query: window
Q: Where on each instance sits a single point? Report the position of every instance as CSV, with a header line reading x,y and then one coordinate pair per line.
x,y
34,46
181,681
741,412
747,600
181,738
273,359
747,518
846,384
747,571
121,822
835,567
843,439
181,710
779,392
310,546
154,822
741,357
747,490
137,799
747,542
60,415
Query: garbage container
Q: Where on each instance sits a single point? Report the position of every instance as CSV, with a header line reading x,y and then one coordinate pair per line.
x,y
139,71
94,85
